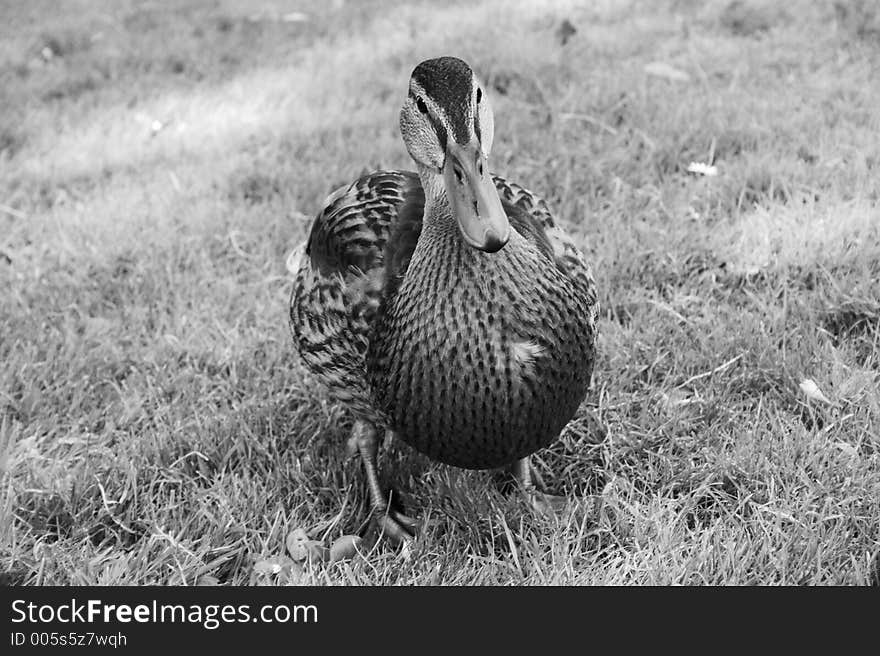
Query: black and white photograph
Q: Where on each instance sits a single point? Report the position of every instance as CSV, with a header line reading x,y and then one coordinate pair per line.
x,y
300,294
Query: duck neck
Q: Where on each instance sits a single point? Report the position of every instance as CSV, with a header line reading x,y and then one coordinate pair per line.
x,y
442,254
439,222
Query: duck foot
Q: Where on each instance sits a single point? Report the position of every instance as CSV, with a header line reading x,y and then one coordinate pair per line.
x,y
391,523
396,526
549,505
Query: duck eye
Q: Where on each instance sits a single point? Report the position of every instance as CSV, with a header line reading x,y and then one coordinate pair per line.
x,y
479,95
423,108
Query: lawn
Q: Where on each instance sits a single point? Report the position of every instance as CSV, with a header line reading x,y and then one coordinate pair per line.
x,y
159,160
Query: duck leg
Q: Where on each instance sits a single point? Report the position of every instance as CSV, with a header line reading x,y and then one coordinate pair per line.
x,y
543,503
397,526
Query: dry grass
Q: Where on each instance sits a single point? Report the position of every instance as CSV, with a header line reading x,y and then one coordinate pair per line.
x,y
156,164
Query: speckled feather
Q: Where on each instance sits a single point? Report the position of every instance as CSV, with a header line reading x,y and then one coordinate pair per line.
x,y
474,359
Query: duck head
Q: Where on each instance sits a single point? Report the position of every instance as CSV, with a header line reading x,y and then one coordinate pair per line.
x,y
447,126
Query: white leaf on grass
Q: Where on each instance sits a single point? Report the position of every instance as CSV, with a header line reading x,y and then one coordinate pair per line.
x,y
661,69
808,386
702,169
848,449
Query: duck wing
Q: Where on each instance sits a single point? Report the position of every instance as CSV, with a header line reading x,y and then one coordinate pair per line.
x,y
340,274
351,232
529,215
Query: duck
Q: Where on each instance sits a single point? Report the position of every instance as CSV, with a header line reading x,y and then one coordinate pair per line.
x,y
445,306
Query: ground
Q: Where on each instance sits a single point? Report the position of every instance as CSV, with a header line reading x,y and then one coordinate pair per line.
x,y
158,161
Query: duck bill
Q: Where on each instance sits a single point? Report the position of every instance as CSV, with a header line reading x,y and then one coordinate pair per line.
x,y
481,218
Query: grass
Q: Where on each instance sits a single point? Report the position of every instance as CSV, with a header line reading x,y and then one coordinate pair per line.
x,y
158,162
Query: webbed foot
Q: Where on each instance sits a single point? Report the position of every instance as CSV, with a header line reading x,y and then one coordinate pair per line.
x,y
549,505
396,526
391,523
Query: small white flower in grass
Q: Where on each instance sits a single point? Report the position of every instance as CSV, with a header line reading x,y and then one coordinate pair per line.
x,y
808,386
702,169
